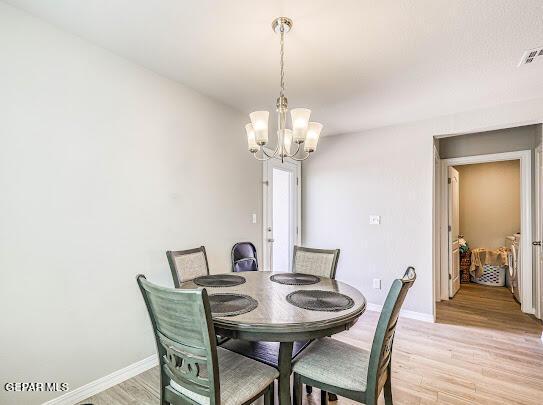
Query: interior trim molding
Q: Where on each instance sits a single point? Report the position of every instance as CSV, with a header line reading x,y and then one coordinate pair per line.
x,y
103,383
404,313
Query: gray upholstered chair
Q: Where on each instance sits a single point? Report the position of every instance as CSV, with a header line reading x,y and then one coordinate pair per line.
x,y
319,262
187,264
350,371
193,370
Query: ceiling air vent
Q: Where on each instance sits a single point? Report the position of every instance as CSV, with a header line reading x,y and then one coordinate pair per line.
x,y
531,56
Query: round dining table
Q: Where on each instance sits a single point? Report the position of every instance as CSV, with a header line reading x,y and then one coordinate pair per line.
x,y
276,320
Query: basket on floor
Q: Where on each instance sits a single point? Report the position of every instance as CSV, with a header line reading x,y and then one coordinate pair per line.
x,y
465,264
492,275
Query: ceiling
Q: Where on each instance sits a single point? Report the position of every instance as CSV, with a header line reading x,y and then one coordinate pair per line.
x,y
357,64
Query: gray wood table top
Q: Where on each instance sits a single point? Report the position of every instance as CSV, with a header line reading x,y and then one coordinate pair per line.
x,y
274,315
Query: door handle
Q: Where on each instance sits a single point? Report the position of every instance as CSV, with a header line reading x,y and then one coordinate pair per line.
x,y
271,240
536,243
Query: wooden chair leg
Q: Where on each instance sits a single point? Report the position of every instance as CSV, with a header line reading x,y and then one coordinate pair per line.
x,y
324,398
387,389
163,384
297,390
332,397
268,395
308,389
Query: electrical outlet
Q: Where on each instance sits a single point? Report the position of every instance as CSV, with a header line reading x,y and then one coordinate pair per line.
x,y
375,219
377,283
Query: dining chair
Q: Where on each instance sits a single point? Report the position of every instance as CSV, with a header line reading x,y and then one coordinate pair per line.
x,y
244,257
350,371
193,370
187,264
318,262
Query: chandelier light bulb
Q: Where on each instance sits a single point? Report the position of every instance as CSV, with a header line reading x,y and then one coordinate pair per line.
x,y
259,119
251,139
300,120
287,141
313,132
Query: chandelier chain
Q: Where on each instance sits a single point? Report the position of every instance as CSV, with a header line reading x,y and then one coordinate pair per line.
x,y
282,62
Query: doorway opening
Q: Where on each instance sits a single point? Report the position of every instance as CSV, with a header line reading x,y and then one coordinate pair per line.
x,y
281,213
487,206
485,219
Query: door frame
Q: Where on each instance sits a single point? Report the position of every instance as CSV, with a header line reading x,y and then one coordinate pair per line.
x,y
538,267
526,275
265,194
436,229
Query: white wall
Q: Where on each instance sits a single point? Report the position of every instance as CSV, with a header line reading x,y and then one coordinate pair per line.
x,y
103,167
388,172
489,202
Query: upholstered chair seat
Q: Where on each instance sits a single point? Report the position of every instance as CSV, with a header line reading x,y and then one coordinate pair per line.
x,y
338,363
241,379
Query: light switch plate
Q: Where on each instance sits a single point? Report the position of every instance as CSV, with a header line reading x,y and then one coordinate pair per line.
x,y
254,218
377,283
375,219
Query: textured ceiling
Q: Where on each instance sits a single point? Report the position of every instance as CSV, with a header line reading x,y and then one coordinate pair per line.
x,y
357,64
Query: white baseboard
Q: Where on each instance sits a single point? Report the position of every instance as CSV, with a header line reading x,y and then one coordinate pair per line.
x,y
101,384
404,313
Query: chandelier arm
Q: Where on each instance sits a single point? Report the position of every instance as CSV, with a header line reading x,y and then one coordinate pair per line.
x,y
263,159
296,152
300,159
274,154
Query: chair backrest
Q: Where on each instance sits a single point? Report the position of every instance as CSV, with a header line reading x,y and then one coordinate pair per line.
x,y
319,262
381,349
244,257
187,264
185,338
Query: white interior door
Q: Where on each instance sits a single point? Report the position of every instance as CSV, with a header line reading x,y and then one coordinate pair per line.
x,y
282,213
454,230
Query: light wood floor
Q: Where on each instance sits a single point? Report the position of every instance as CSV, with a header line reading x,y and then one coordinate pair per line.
x,y
482,350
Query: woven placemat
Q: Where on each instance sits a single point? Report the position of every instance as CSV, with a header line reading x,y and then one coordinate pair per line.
x,y
319,300
219,280
295,278
230,304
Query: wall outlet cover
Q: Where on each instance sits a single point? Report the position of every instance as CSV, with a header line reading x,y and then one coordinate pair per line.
x,y
377,283
375,219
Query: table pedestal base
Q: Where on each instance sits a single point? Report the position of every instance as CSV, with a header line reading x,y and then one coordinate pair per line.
x,y
285,368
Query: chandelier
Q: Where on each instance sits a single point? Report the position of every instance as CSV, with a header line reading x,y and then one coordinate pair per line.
x,y
303,133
